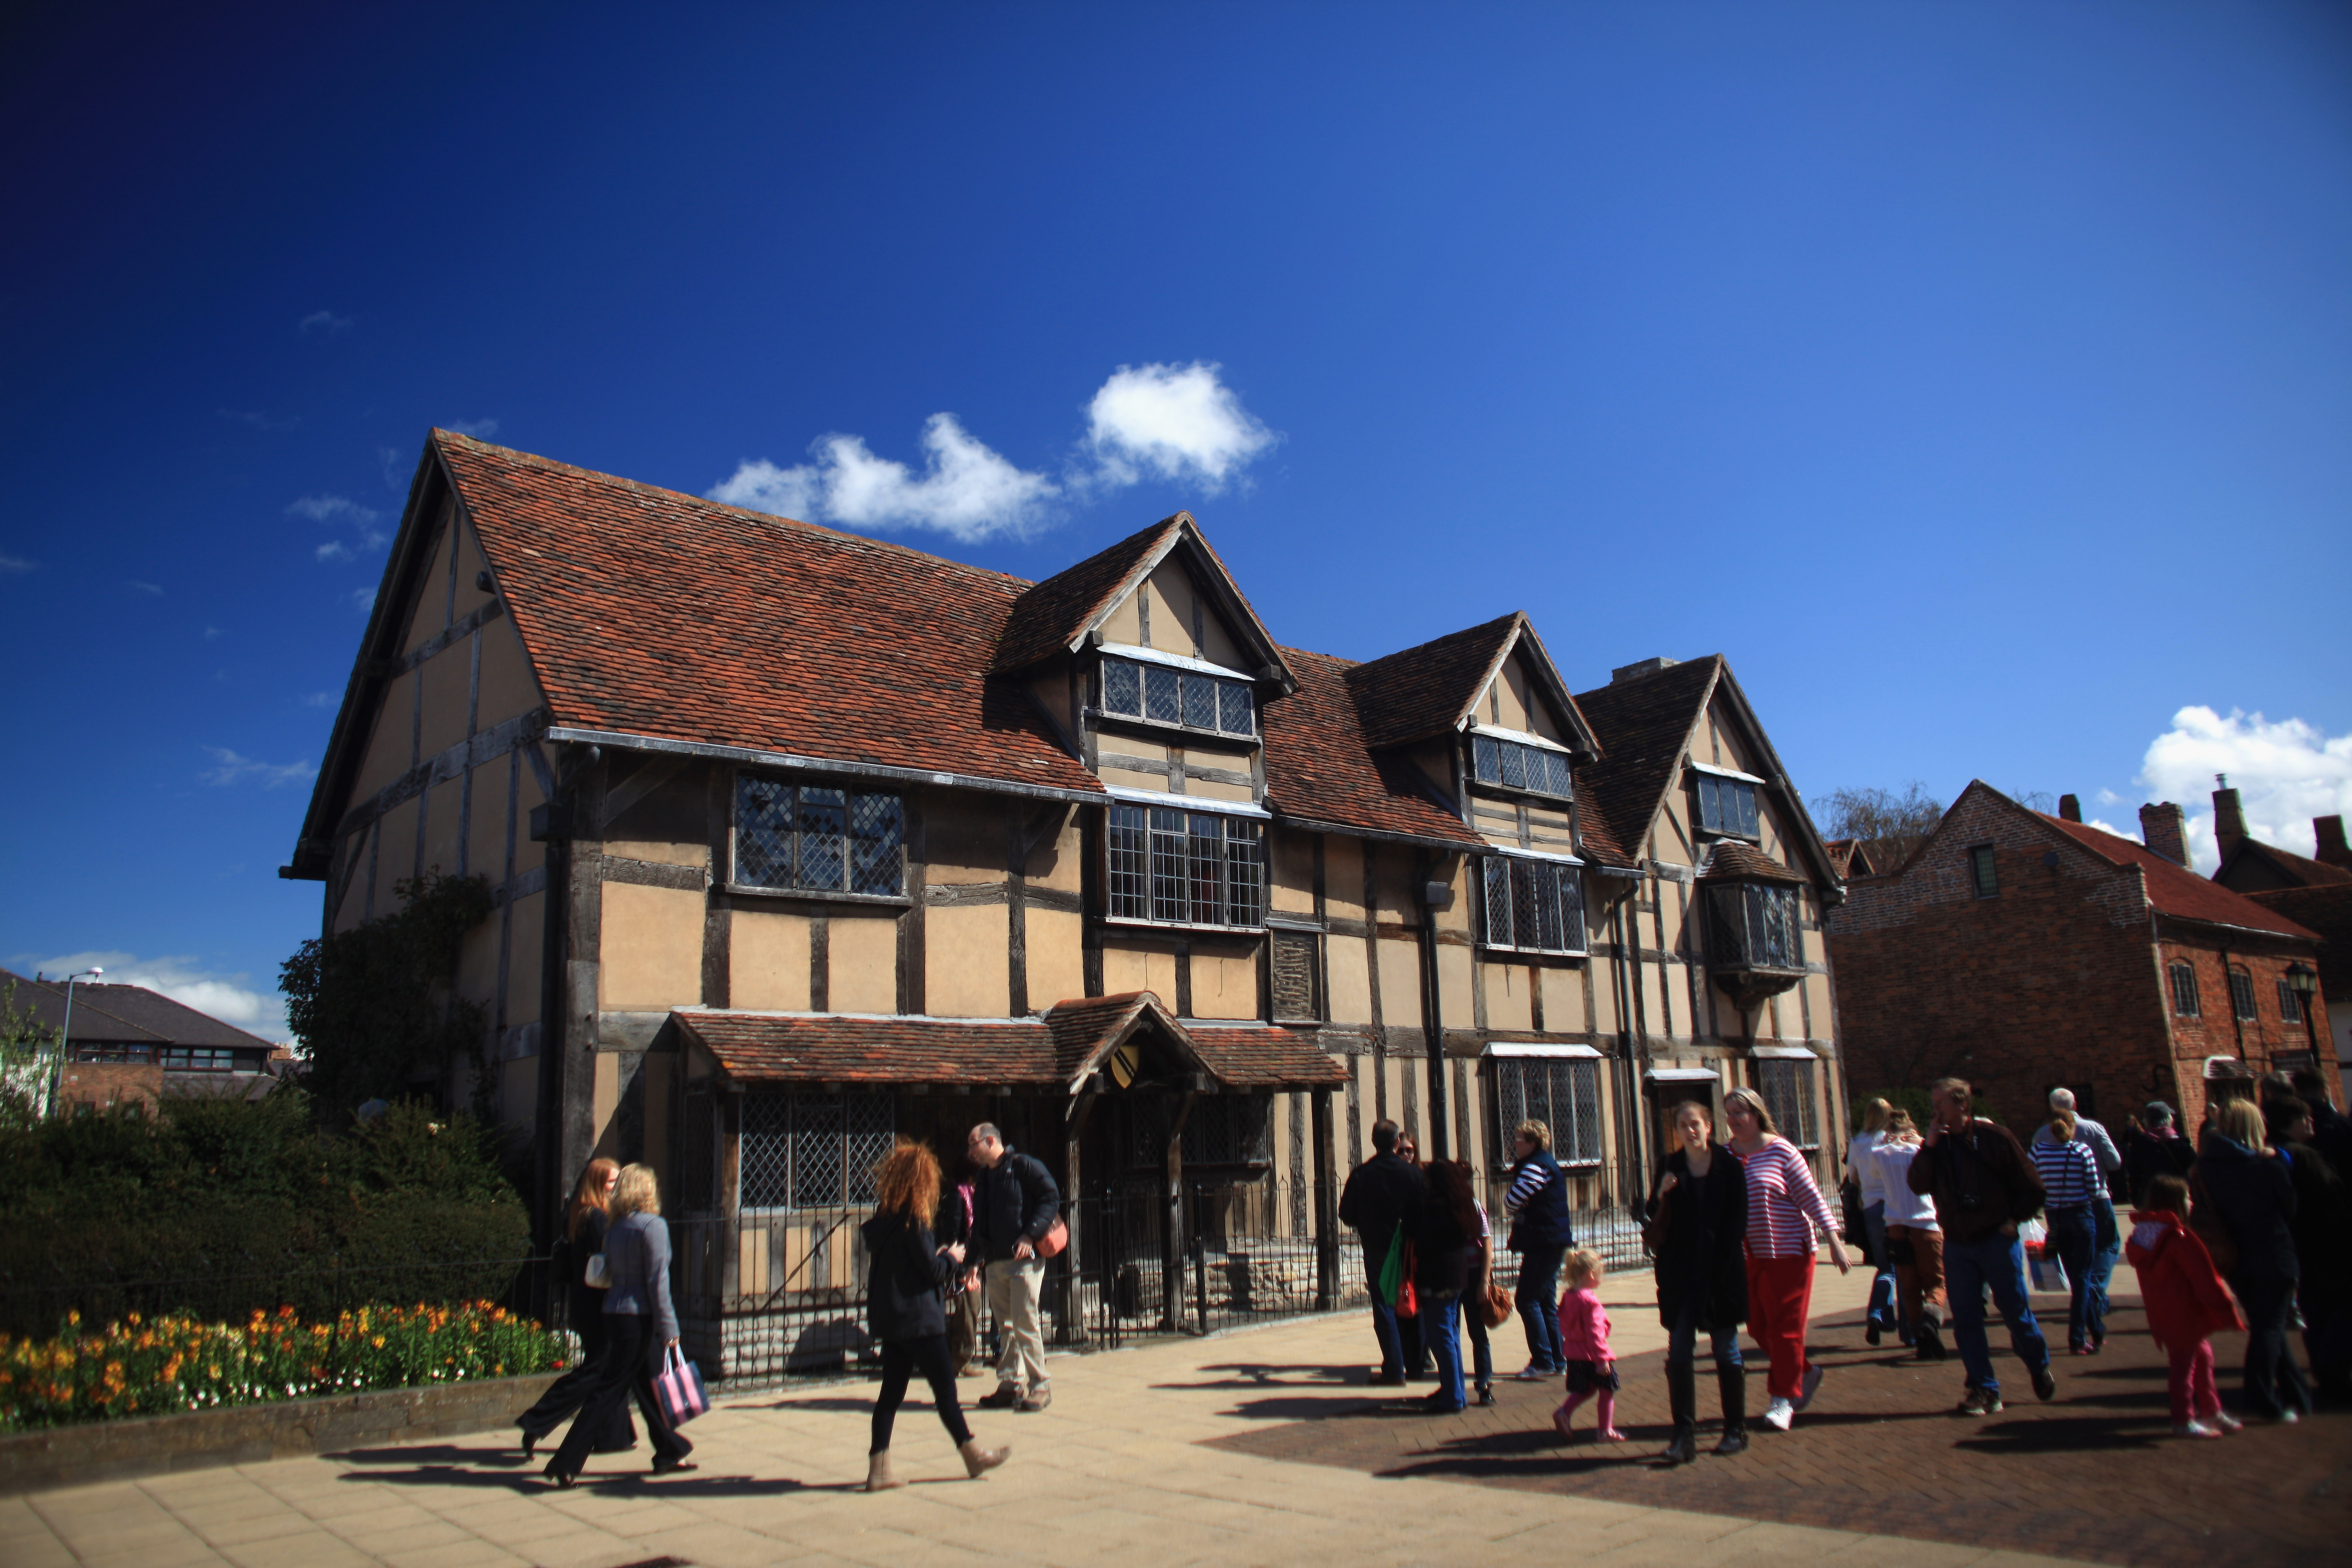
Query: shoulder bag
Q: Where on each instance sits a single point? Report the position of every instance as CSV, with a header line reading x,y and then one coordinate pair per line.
x,y
679,1389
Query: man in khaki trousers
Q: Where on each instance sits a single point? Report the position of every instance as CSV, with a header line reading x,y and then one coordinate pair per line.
x,y
1014,1203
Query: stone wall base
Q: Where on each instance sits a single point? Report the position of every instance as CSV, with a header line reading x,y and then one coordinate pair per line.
x,y
249,1434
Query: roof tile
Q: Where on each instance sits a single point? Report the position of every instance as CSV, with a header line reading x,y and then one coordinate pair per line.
x,y
2176,890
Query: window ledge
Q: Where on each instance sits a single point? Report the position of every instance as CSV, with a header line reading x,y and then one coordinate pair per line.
x,y
1131,923
820,895
1172,727
1538,951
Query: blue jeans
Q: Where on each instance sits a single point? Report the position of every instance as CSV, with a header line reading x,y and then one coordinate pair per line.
x,y
1538,1300
1682,1340
1441,1331
1882,1283
1384,1322
2273,1383
2108,1252
2074,1232
1998,1261
1482,1353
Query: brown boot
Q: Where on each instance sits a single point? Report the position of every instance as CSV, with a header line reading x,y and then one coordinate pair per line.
x,y
977,1459
878,1477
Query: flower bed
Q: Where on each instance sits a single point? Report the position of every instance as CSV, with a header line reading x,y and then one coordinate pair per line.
x,y
176,1362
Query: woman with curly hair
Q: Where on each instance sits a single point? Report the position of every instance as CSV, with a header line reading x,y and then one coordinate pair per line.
x,y
905,1270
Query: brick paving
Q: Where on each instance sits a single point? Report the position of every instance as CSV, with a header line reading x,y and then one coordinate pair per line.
x,y
2096,1475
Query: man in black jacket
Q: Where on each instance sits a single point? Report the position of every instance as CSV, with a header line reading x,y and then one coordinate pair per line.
x,y
1014,1203
1983,1184
1381,1201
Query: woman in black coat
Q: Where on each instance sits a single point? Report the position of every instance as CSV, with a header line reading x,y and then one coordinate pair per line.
x,y
1698,1223
2250,1189
1444,1259
583,1230
904,1273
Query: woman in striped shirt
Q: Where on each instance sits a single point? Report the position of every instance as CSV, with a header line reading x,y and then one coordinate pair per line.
x,y
1785,1208
2070,1171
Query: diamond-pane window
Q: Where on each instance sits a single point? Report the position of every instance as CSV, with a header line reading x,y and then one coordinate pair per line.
x,y
1727,805
1122,688
1160,694
823,840
1533,905
812,1151
1564,1094
1787,1088
1237,710
1514,764
1201,701
1486,759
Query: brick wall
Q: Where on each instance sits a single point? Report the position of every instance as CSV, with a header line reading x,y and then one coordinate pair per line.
x,y
2217,1031
2052,980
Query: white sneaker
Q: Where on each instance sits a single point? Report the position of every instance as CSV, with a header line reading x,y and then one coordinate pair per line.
x,y
1779,1414
1531,1373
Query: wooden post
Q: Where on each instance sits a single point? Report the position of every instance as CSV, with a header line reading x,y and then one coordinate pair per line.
x,y
1073,1316
1326,1204
1171,1241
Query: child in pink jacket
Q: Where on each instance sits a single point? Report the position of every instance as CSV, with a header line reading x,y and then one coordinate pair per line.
x,y
2186,1304
1584,1343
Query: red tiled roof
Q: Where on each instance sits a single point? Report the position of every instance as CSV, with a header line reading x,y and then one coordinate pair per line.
x,y
2176,890
1319,767
1049,616
1643,726
126,1014
649,612
1734,861
1050,1052
2306,871
1418,692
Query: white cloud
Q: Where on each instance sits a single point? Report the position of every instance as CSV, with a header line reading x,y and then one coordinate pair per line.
x,y
1173,421
227,998
2104,826
324,323
363,598
151,590
2286,773
333,508
11,564
230,768
1163,421
334,549
479,429
214,634
320,700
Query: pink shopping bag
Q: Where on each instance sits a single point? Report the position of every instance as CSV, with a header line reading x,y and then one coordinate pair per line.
x,y
677,1389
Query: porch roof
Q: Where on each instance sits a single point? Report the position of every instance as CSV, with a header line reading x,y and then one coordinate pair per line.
x,y
1056,1051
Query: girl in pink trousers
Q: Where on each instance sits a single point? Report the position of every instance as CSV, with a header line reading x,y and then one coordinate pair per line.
x,y
1584,1343
2186,1301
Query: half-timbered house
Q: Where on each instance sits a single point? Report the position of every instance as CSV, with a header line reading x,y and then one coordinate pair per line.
x,y
800,841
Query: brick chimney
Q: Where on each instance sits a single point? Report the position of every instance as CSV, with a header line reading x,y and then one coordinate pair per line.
x,y
2069,809
2165,829
2330,831
2229,816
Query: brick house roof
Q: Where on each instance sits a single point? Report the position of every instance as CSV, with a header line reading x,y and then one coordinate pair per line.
x,y
2176,890
1420,692
649,612
2300,871
1053,1051
1319,767
128,1014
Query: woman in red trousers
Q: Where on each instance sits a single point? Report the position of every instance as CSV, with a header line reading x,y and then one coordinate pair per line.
x,y
1785,1209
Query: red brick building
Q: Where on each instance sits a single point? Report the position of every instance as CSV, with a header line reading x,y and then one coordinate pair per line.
x,y
2023,950
2314,893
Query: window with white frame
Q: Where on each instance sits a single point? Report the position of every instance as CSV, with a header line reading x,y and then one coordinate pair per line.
x,y
1753,925
821,838
1561,1092
1166,695
812,1151
2290,1004
2242,993
1533,906
2184,990
1186,868
1727,805
1788,1090
1514,764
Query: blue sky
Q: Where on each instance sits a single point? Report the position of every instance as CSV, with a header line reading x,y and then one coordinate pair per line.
x,y
1979,378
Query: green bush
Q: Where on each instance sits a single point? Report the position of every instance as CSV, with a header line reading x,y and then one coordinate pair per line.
x,y
223,1207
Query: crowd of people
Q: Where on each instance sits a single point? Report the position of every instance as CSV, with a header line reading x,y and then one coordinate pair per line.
x,y
2249,1228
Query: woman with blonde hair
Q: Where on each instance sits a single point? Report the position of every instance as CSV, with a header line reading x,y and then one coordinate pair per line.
x,y
640,1324
2242,1180
905,1270
583,1235
1785,1215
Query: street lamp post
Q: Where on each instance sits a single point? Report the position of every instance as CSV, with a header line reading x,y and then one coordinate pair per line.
x,y
64,1039
2304,980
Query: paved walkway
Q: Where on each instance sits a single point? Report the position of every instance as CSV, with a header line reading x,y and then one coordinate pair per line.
x,y
1142,1461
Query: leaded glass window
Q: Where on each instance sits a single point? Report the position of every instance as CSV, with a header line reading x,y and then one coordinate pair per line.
x,y
812,1151
1754,926
1727,805
821,838
1535,905
1561,1092
1511,764
1787,1088
1194,699
1185,868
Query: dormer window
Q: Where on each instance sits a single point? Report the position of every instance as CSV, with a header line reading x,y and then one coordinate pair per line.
x,y
1515,764
1726,802
1172,694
